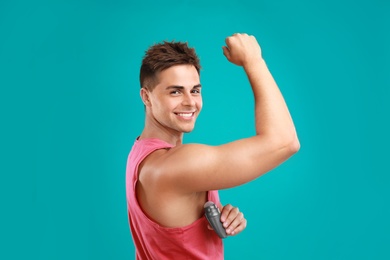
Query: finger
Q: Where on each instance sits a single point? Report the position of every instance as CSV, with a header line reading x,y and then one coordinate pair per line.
x,y
231,216
239,228
225,212
226,52
235,223
229,40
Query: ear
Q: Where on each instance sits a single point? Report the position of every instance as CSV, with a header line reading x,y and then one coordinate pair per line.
x,y
144,93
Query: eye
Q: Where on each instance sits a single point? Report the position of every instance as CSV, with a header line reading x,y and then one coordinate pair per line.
x,y
196,91
174,92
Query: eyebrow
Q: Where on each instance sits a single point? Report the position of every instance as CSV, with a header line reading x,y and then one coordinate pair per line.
x,y
181,87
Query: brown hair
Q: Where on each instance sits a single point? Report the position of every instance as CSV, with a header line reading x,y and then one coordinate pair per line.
x,y
162,56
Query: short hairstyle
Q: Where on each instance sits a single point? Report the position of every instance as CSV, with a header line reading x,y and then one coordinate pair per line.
x,y
162,56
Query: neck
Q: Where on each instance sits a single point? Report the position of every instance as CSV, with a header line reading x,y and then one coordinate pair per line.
x,y
153,129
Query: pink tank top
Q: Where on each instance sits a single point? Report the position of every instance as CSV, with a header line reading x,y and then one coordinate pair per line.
x,y
153,241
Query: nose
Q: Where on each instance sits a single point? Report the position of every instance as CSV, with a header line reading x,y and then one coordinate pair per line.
x,y
188,100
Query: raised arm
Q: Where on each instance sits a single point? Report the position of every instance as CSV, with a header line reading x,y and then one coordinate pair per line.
x,y
194,167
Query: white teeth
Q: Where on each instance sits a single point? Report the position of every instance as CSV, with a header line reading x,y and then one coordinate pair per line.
x,y
185,114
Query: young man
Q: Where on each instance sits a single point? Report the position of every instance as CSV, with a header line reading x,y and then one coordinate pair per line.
x,y
169,182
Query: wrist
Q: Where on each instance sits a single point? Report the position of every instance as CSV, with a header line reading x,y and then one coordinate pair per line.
x,y
254,62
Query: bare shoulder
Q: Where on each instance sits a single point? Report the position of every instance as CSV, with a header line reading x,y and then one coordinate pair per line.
x,y
164,161
165,166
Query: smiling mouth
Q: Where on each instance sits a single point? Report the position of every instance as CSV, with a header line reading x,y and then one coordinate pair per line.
x,y
185,115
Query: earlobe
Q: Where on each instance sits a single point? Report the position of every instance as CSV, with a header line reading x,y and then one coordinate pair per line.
x,y
145,96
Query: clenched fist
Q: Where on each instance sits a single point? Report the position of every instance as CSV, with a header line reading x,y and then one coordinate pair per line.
x,y
242,49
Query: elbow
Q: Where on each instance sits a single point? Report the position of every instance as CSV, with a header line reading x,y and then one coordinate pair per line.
x,y
290,145
294,145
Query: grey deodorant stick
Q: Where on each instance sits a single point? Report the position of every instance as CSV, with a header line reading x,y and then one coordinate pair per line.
x,y
213,216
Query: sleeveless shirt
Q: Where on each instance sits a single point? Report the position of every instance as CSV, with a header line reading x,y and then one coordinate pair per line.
x,y
153,241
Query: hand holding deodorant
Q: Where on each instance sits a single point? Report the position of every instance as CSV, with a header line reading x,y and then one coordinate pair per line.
x,y
213,216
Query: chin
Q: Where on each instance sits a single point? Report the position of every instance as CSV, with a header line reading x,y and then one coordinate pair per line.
x,y
187,130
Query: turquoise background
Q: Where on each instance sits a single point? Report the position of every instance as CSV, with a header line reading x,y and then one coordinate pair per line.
x,y
70,110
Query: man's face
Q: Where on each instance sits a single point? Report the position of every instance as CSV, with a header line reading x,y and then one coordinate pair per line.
x,y
176,100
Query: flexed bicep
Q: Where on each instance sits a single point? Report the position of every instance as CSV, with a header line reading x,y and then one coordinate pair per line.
x,y
195,168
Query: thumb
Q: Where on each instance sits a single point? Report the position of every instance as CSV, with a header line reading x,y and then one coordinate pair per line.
x,y
226,52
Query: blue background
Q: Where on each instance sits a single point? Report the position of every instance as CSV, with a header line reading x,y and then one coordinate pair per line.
x,y
70,110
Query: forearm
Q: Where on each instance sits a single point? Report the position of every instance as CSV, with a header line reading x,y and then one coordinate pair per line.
x,y
271,113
